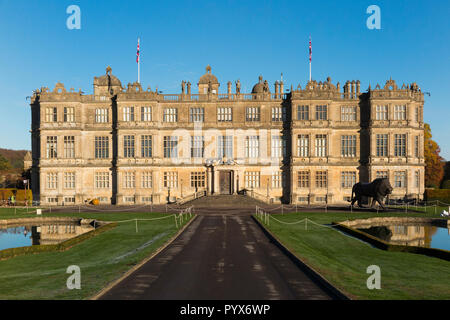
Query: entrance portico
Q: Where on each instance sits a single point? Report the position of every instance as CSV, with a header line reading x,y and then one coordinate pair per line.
x,y
221,178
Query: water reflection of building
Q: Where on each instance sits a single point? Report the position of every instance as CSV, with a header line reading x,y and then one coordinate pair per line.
x,y
412,235
56,233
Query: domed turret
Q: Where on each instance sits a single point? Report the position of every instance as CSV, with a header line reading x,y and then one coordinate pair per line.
x,y
261,87
208,83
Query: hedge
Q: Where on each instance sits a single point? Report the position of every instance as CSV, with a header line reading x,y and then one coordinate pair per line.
x,y
65,245
20,194
445,184
383,245
437,194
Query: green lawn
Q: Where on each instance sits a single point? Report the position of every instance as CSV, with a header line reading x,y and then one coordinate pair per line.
x,y
343,260
102,259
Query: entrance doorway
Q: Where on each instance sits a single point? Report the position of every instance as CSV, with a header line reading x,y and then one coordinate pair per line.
x,y
225,182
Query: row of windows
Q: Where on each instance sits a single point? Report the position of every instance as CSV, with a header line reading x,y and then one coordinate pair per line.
x,y
101,180
400,178
348,145
225,146
252,179
170,147
348,178
400,143
225,114
399,113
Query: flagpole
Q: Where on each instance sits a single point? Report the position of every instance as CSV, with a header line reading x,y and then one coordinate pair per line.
x,y
139,63
310,58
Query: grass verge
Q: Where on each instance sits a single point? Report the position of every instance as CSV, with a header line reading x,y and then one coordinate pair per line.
x,y
101,259
343,260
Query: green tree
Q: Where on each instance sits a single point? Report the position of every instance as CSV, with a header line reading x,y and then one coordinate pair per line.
x,y
434,164
4,163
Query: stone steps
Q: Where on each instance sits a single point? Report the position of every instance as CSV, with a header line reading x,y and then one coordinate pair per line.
x,y
226,201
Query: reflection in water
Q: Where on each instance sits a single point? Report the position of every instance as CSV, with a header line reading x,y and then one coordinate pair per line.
x,y
412,235
40,234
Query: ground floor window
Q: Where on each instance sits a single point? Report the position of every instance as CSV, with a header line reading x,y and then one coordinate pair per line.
x,y
321,179
400,179
303,179
198,179
170,179
348,179
252,179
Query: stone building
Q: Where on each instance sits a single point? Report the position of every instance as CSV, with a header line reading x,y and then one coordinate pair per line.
x,y
307,146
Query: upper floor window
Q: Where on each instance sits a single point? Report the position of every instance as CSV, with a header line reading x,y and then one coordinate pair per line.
x,y
146,146
52,147
51,114
303,145
128,146
252,146
170,115
146,114
278,147
225,114
400,112
321,145
416,146
101,115
381,112
69,114
321,112
196,114
253,114
69,147
400,145
382,145
101,147
348,146
348,113
225,147
170,147
302,112
278,114
128,114
197,146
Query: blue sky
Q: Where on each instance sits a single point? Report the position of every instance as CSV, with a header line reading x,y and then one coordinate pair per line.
x,y
239,39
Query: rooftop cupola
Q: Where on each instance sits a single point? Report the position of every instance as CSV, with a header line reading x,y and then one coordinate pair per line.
x,y
208,83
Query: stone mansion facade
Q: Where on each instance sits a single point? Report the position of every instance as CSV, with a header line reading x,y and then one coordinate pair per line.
x,y
309,145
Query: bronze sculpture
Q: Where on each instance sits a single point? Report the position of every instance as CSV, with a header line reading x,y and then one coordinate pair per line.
x,y
377,190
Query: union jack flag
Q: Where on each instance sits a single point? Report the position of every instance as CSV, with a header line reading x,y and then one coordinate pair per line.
x,y
310,50
137,53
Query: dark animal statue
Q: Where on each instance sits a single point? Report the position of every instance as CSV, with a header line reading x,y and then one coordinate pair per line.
x,y
377,190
